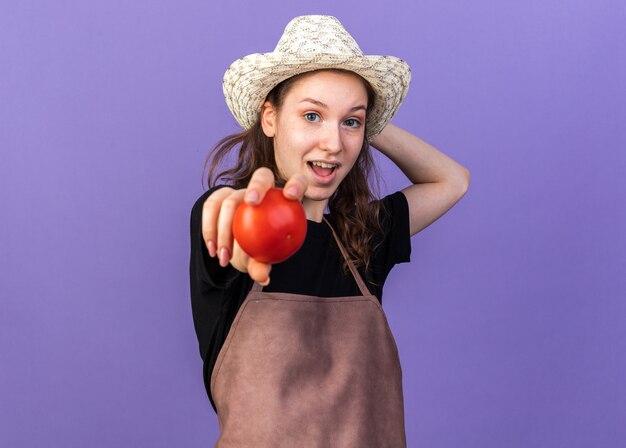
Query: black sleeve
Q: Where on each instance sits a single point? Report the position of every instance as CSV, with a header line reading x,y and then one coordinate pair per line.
x,y
396,219
394,245
209,283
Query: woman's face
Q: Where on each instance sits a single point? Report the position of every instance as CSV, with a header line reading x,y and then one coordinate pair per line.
x,y
319,129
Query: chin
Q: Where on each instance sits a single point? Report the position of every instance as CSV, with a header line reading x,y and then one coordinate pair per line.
x,y
315,193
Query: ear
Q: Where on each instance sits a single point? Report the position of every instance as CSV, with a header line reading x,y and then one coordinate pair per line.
x,y
268,119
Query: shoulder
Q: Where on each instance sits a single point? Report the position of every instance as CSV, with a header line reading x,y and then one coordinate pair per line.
x,y
394,205
203,197
393,214
394,243
196,209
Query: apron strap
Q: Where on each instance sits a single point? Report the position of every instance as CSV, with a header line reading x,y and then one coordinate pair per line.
x,y
355,272
256,287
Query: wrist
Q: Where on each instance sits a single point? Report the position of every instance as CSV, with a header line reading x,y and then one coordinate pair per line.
x,y
381,141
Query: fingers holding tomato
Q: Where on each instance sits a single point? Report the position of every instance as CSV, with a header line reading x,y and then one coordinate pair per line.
x,y
295,187
262,180
225,225
211,210
255,227
259,271
271,231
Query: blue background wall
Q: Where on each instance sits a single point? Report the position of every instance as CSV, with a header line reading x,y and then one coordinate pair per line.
x,y
510,319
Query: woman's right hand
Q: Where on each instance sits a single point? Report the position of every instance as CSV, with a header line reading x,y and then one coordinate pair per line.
x,y
217,220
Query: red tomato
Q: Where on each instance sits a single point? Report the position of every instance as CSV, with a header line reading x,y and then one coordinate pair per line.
x,y
271,231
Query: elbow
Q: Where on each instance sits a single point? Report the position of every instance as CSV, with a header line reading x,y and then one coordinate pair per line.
x,y
458,184
462,180
467,178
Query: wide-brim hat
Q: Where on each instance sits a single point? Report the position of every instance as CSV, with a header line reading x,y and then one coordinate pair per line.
x,y
309,43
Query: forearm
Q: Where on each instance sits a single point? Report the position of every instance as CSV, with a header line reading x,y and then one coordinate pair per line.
x,y
418,160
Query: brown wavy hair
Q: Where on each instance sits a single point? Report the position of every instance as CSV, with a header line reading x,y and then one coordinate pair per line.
x,y
354,208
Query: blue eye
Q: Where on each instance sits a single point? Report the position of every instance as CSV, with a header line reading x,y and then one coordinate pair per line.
x,y
311,116
351,122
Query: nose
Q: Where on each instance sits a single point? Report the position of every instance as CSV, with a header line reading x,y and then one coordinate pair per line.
x,y
330,140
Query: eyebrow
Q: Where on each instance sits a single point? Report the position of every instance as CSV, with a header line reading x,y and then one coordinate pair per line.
x,y
320,104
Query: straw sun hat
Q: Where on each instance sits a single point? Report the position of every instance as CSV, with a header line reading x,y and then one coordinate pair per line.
x,y
312,43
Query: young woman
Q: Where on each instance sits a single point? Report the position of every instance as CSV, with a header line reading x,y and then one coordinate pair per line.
x,y
300,353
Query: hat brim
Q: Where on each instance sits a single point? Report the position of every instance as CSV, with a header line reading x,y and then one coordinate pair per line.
x,y
249,80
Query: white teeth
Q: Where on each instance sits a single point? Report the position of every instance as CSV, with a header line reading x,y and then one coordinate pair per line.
x,y
323,165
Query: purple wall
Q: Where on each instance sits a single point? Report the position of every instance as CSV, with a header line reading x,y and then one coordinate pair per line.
x,y
511,318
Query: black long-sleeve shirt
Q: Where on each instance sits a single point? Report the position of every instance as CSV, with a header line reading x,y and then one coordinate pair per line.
x,y
316,269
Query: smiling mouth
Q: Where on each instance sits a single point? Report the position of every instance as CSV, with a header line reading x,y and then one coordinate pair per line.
x,y
322,169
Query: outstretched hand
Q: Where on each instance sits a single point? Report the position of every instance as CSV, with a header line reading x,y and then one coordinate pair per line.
x,y
217,220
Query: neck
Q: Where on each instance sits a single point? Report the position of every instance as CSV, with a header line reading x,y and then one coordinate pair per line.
x,y
314,210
